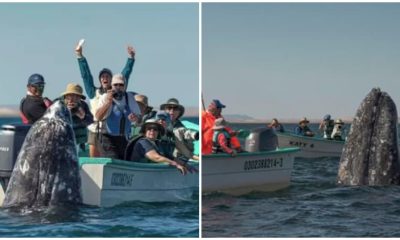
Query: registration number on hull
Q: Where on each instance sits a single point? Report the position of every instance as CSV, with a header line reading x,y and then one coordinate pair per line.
x,y
263,163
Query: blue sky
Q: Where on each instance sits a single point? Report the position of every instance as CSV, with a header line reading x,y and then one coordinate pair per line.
x,y
290,60
41,37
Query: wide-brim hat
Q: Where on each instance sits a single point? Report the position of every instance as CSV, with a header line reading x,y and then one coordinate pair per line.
x,y
305,120
142,99
73,88
152,122
219,124
173,102
339,121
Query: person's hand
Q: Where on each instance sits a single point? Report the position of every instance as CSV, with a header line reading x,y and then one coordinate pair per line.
x,y
131,51
109,95
80,113
78,51
180,167
233,153
133,117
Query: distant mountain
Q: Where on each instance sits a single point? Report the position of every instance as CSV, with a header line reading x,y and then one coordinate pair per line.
x,y
238,118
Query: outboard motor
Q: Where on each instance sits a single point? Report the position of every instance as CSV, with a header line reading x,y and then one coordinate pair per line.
x,y
261,139
12,137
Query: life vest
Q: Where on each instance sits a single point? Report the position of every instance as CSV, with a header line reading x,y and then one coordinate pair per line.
x,y
216,148
47,103
131,146
117,122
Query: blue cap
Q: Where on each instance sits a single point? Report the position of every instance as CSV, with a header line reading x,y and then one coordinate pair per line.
x,y
218,104
327,117
163,115
36,79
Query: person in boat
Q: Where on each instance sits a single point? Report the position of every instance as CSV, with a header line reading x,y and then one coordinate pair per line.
x,y
94,93
208,117
33,105
276,125
146,112
338,130
74,100
326,126
303,129
147,148
222,139
117,109
184,137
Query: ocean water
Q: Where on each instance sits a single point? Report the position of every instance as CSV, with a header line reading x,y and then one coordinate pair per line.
x,y
313,206
133,219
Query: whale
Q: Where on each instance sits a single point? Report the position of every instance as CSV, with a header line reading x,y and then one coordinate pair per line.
x,y
46,172
370,155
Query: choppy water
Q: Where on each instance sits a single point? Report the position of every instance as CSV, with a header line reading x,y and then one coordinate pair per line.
x,y
313,206
135,219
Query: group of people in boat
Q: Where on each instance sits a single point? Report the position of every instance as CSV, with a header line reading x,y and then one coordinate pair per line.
x,y
118,124
331,129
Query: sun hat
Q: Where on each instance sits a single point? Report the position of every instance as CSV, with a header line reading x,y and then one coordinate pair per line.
x,y
219,124
142,99
36,79
152,122
118,78
163,115
304,119
175,103
339,121
73,88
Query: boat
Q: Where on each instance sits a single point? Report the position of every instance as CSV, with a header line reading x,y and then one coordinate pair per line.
x,y
108,182
248,171
311,147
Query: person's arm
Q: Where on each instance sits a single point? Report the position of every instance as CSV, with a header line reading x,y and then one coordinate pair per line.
x,y
105,103
85,73
223,143
155,157
126,72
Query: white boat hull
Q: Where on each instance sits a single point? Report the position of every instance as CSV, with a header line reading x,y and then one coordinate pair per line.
x,y
311,147
247,172
107,182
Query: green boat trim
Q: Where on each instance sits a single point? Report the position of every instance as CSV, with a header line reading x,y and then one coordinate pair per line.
x,y
110,161
315,138
277,151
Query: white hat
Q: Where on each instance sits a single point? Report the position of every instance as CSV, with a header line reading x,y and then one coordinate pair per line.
x,y
118,78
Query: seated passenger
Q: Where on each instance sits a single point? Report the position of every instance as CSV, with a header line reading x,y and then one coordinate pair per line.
x,y
184,137
276,125
338,130
327,126
80,113
303,129
147,148
222,139
33,106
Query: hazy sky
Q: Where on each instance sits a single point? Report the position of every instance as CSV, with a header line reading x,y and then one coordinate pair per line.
x,y
290,60
41,37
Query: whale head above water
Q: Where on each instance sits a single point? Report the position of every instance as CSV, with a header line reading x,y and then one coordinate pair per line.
x,y
46,172
370,155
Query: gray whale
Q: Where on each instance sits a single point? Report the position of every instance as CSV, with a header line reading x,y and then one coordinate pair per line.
x,y
46,172
370,155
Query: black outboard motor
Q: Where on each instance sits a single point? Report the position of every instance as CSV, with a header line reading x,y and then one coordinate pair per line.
x,y
261,139
12,137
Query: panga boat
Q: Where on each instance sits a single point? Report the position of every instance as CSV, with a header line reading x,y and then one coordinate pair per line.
x,y
247,172
311,147
262,167
107,182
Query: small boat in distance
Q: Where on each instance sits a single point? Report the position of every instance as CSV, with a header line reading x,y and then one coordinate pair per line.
x,y
311,147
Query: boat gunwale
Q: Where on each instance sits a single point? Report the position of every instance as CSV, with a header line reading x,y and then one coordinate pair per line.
x,y
315,138
117,162
261,153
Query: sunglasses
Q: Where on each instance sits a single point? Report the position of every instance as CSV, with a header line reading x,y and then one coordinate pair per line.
x,y
38,85
152,128
172,107
118,85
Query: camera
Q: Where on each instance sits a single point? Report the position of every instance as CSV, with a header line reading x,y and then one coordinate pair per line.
x,y
118,95
339,127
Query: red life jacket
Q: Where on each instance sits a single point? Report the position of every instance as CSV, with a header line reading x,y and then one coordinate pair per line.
x,y
47,103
